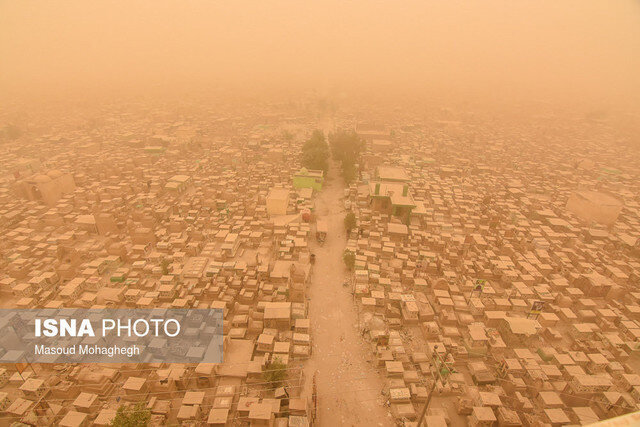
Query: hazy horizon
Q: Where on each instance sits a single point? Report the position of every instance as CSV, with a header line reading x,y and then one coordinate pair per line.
x,y
583,51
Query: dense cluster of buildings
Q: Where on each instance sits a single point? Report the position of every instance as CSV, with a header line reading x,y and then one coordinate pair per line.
x,y
503,264
496,264
147,211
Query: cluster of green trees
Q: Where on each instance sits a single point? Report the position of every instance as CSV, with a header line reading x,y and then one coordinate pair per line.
x,y
349,259
132,416
350,222
315,152
275,373
346,147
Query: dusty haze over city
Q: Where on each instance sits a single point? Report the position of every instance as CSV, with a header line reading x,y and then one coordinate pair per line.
x,y
576,50
387,213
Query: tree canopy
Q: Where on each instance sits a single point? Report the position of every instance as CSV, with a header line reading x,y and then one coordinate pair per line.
x,y
315,152
350,221
275,372
346,147
349,258
132,416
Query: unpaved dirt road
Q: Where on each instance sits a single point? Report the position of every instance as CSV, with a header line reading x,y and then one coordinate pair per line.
x,y
349,387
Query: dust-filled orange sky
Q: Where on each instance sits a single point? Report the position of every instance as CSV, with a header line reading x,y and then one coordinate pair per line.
x,y
563,48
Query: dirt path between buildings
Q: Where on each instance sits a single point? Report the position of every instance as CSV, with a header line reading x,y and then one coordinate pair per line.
x,y
348,383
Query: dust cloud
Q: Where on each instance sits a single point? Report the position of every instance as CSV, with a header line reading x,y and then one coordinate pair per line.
x,y
576,50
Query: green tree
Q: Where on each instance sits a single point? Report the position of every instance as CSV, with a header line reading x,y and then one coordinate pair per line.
x,y
315,152
346,147
275,373
128,416
350,221
349,259
349,172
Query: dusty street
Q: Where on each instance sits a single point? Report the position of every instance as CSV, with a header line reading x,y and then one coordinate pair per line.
x,y
349,387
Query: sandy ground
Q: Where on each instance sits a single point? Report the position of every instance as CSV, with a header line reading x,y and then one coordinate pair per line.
x,y
348,384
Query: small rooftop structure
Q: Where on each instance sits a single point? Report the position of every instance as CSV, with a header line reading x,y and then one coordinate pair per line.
x,y
277,201
392,174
